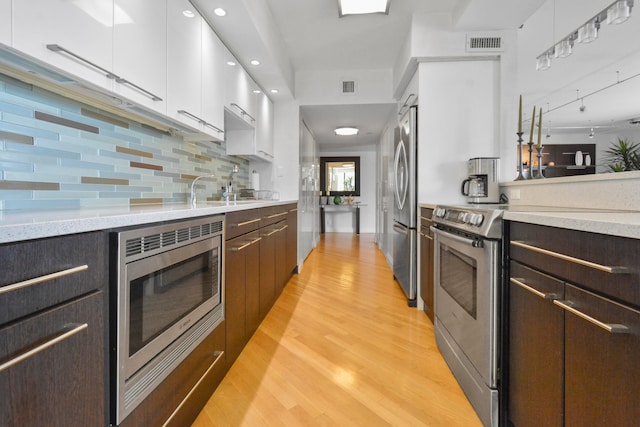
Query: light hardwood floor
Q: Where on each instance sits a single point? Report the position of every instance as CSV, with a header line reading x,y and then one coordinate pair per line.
x,y
340,347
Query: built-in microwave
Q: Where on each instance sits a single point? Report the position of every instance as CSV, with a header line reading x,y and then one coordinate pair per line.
x,y
169,296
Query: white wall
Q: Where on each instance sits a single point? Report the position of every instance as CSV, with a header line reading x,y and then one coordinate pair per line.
x,y
458,118
343,222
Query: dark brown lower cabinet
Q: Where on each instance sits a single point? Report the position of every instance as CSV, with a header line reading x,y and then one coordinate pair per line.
x,y
536,349
52,366
267,269
426,262
574,330
282,269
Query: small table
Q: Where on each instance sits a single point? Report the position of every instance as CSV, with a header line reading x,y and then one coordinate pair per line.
x,y
355,208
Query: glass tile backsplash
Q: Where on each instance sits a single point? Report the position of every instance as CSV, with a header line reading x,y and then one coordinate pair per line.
x,y
59,153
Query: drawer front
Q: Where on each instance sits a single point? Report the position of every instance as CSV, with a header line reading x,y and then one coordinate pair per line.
x,y
41,273
601,263
241,222
273,214
52,366
425,221
602,375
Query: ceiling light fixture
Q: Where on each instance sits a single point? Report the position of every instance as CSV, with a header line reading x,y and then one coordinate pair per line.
x,y
231,63
188,13
255,62
362,7
347,131
274,91
220,11
616,13
256,91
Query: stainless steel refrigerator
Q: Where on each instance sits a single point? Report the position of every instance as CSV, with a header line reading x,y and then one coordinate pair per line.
x,y
405,213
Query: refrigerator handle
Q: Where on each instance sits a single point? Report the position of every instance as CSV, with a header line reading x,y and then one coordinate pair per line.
x,y
400,229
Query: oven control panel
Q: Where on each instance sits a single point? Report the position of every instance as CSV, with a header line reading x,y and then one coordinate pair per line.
x,y
479,221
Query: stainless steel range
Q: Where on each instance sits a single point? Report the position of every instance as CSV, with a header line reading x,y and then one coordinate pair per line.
x,y
467,259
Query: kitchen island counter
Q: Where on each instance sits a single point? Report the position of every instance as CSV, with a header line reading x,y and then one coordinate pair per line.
x,y
22,225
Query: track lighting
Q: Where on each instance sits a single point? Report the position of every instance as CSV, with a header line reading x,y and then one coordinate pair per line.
x,y
616,13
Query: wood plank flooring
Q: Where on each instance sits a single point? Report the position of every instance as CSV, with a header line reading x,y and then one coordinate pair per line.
x,y
340,347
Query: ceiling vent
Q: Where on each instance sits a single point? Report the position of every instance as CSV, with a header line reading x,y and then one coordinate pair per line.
x,y
348,87
484,44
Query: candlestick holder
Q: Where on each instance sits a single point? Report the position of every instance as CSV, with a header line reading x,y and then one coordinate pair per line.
x,y
520,176
539,155
530,144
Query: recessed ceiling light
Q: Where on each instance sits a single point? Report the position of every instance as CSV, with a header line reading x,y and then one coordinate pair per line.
x,y
256,91
188,13
219,11
274,91
231,63
255,62
346,131
360,7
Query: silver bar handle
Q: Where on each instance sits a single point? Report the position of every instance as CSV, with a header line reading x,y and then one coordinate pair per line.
x,y
38,349
612,328
151,95
57,48
426,235
520,282
41,279
243,112
246,245
271,233
191,116
605,268
406,103
217,129
217,355
283,228
242,224
276,215
400,229
265,153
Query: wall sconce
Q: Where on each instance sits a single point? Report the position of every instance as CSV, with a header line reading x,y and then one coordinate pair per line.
x,y
616,13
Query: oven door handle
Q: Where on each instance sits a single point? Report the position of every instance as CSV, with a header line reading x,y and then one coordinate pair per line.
x,y
476,243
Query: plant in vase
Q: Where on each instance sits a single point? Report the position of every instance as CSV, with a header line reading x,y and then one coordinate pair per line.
x,y
623,156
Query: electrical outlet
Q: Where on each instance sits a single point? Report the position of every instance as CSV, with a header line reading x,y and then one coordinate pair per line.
x,y
514,194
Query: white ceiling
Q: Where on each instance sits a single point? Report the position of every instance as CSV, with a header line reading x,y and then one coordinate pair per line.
x,y
297,35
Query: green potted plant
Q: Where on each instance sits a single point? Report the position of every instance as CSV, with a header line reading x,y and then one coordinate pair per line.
x,y
623,156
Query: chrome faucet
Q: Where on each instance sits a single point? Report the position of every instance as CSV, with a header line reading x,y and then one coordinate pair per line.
x,y
229,188
192,197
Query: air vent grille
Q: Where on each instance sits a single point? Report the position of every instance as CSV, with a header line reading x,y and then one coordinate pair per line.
x,y
484,44
348,86
151,242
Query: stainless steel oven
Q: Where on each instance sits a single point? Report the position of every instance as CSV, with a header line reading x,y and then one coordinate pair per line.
x,y
168,297
467,261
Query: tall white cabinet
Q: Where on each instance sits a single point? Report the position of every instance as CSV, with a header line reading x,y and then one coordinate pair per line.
x,y
213,85
82,32
139,51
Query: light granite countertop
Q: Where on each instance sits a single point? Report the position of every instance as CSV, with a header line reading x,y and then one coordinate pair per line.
x,y
20,225
624,224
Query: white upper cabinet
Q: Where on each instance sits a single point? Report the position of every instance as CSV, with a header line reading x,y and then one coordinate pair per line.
x,y
140,54
213,70
184,67
264,128
5,22
239,95
79,36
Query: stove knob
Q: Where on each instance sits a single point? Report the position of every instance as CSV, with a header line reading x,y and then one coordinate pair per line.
x,y
477,219
440,212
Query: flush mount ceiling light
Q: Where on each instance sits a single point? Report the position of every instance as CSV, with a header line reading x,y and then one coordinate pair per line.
x,y
256,91
616,13
347,131
274,91
188,13
255,62
362,7
231,63
220,11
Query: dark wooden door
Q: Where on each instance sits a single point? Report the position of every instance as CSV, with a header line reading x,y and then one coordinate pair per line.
x,y
267,269
602,373
292,239
235,295
252,283
62,382
282,271
535,349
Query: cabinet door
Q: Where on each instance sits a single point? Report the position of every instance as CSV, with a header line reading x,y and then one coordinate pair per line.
x,y
267,268
184,67
83,28
235,295
5,22
292,239
264,128
140,51
252,283
426,262
239,95
602,375
60,380
213,69
282,274
535,356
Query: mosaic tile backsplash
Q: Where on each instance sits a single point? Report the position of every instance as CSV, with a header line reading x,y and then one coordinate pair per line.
x,y
56,153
